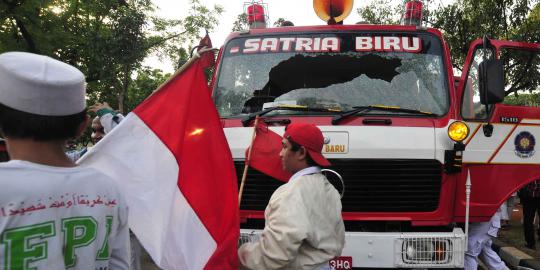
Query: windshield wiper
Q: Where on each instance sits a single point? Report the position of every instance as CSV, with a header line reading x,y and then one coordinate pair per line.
x,y
363,109
251,116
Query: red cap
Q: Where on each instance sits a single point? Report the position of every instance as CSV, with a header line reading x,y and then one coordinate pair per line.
x,y
310,137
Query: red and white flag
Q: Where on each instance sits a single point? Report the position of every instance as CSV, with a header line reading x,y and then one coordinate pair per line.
x,y
171,159
265,154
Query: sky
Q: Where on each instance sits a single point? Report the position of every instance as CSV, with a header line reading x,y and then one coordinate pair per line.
x,y
300,12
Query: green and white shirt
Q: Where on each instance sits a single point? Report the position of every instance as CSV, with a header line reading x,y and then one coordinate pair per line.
x,y
61,218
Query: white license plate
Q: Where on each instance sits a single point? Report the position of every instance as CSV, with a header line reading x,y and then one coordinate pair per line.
x,y
341,263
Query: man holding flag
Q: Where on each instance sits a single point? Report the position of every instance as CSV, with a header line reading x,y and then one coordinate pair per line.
x,y
303,224
172,160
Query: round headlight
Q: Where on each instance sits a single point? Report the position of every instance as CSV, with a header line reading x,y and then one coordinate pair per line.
x,y
418,250
458,131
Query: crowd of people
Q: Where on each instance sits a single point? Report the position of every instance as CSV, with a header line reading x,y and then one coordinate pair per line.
x,y
56,214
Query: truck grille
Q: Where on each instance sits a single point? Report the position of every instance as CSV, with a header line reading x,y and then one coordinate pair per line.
x,y
371,185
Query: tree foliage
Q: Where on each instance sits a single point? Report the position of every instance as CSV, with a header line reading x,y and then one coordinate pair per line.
x,y
241,23
531,100
175,34
466,20
107,39
516,20
146,81
380,12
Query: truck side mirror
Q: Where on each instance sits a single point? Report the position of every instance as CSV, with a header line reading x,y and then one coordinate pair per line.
x,y
491,82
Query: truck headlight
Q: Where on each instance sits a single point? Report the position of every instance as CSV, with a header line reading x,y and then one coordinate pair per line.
x,y
430,251
458,131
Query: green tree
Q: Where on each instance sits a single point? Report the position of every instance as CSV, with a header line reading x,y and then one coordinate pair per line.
x,y
177,37
241,23
531,100
380,12
107,40
466,20
517,20
128,48
144,84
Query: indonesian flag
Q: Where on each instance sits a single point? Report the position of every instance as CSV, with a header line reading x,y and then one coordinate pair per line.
x,y
171,160
265,154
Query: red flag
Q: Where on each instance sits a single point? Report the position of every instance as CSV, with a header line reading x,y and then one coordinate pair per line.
x,y
265,154
171,158
208,59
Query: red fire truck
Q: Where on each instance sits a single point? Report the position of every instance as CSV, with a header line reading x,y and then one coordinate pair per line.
x,y
416,151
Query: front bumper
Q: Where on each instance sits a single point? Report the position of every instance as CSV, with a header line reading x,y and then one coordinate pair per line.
x,y
398,250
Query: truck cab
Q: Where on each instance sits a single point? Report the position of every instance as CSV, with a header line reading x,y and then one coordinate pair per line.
x,y
406,143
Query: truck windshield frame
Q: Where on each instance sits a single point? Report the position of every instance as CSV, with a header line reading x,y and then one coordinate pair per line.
x,y
332,70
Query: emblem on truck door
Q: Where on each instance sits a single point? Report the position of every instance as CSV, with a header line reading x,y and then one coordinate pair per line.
x,y
524,143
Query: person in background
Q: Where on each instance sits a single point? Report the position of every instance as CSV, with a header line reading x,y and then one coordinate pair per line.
x,y
4,156
54,214
98,131
105,117
105,121
303,224
72,152
507,210
529,197
479,244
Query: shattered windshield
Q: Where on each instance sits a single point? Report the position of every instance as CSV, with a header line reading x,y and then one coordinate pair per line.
x,y
337,71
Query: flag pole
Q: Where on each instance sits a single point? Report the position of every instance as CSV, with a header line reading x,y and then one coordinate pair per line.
x,y
467,205
196,56
246,166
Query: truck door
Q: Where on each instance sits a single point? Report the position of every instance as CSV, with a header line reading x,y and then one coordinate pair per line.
x,y
500,151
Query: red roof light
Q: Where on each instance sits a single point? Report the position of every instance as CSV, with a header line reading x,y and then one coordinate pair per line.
x,y
255,13
413,13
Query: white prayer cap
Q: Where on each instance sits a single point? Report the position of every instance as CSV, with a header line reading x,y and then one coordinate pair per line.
x,y
40,85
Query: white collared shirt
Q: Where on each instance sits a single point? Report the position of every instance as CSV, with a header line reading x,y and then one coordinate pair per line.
x,y
305,171
303,226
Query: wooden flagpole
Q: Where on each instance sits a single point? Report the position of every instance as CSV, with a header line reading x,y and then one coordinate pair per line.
x,y
246,166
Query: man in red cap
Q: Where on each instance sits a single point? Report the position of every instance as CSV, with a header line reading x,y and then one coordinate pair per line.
x,y
303,223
